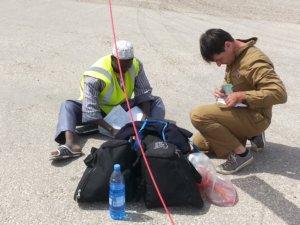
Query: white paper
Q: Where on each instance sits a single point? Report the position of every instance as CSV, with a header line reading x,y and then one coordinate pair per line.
x,y
118,117
222,101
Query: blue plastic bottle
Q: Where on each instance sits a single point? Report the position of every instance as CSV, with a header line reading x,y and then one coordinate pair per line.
x,y
117,194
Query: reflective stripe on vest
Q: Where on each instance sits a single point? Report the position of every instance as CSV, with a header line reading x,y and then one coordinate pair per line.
x,y
109,77
102,69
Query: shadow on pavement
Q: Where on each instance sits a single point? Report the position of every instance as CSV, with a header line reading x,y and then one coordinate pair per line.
x,y
135,210
65,162
130,208
270,197
275,159
84,138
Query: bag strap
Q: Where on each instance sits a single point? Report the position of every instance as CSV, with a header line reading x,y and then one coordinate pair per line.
x,y
194,147
147,122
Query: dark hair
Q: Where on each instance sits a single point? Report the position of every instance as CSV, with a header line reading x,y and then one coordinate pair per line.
x,y
212,42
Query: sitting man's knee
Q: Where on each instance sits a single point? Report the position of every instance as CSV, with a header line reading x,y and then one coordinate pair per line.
x,y
68,104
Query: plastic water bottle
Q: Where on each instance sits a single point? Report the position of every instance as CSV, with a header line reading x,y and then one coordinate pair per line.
x,y
117,194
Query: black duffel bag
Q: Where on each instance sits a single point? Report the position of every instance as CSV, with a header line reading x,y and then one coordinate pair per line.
x,y
175,176
94,184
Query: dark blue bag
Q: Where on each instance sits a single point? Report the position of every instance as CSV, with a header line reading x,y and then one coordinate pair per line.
x,y
169,132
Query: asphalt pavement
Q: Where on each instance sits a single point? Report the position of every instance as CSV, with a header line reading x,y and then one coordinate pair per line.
x,y
47,44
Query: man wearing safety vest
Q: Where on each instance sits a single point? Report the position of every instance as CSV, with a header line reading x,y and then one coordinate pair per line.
x,y
100,91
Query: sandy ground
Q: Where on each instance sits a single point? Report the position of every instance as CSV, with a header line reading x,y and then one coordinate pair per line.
x,y
47,44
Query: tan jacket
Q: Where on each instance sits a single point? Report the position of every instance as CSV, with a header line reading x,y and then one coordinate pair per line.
x,y
253,72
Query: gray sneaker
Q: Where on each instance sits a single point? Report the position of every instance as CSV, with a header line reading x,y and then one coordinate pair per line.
x,y
258,142
234,163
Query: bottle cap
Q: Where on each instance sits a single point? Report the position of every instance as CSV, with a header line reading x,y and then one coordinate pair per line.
x,y
117,167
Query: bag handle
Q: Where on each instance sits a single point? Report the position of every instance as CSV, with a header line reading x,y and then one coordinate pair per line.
x,y
147,122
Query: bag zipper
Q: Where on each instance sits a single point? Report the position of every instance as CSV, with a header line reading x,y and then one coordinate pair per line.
x,y
82,184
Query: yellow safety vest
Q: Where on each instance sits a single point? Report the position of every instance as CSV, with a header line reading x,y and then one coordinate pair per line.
x,y
112,95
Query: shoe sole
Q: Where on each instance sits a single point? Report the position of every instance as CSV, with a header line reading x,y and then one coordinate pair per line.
x,y
53,158
237,169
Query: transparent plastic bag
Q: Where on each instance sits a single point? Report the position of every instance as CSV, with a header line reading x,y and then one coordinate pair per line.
x,y
217,189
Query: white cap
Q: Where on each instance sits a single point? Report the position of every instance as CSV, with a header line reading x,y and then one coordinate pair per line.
x,y
125,50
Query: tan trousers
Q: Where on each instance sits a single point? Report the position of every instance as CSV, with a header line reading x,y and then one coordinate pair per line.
x,y
223,129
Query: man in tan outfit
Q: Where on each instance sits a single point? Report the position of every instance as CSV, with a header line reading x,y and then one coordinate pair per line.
x,y
244,106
